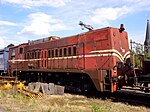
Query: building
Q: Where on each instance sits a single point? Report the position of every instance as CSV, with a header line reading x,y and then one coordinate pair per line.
x,y
146,62
147,41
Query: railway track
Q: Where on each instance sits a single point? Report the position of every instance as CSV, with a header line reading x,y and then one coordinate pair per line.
x,y
124,96
131,98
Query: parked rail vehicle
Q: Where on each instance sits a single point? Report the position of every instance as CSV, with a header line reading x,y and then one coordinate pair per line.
x,y
83,63
4,60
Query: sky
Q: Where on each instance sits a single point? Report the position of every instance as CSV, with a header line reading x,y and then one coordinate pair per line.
x,y
23,20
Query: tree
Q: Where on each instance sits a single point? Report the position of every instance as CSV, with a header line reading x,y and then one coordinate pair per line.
x,y
10,45
137,52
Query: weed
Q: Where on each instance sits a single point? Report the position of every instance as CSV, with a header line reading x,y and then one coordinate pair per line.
x,y
96,108
49,110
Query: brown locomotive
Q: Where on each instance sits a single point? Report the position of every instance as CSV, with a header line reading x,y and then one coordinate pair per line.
x,y
81,62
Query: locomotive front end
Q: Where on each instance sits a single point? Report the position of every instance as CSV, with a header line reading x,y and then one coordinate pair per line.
x,y
124,67
121,54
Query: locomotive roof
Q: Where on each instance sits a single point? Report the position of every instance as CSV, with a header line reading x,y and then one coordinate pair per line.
x,y
88,32
31,42
19,45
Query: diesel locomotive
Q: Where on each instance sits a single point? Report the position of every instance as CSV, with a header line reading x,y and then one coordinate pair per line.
x,y
94,60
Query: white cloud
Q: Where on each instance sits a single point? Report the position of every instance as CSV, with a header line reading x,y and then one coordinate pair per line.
x,y
2,45
103,15
32,3
104,12
138,5
6,40
93,12
3,31
135,1
7,23
42,24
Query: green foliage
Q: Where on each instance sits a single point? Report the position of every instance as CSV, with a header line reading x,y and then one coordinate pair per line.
x,y
147,56
96,108
138,60
3,94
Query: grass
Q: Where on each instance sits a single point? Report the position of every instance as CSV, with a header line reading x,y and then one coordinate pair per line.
x,y
12,101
